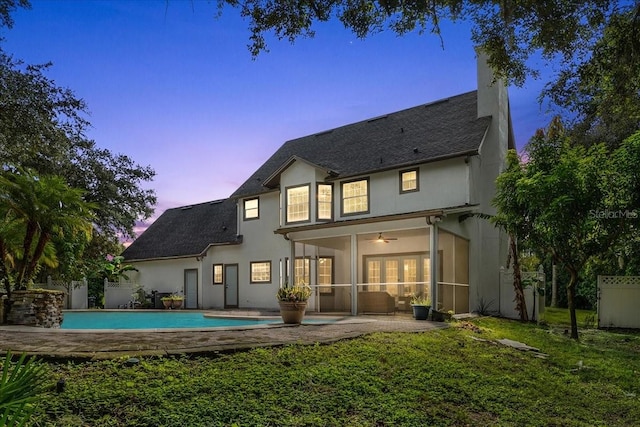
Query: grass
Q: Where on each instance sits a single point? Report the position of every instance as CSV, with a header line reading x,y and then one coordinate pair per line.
x,y
560,317
439,378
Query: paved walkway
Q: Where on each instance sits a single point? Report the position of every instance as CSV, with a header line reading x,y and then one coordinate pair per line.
x,y
94,345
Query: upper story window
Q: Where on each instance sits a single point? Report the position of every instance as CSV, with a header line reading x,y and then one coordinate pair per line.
x,y
298,203
252,208
355,197
325,201
409,181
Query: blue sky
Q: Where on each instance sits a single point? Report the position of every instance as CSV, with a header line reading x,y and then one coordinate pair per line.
x,y
175,87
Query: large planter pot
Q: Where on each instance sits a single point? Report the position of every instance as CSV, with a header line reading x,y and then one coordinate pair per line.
x,y
167,303
420,312
292,312
176,303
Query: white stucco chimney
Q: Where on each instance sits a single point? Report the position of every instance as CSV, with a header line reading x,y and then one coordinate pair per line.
x,y
490,94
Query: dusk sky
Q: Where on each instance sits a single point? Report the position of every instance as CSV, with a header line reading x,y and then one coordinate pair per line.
x,y
174,87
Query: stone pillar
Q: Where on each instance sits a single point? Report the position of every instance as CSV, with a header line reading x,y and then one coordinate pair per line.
x,y
38,307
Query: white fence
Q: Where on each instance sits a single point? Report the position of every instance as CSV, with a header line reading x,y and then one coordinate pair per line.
x,y
618,301
120,295
76,292
534,298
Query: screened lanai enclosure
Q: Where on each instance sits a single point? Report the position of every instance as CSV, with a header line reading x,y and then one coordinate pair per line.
x,y
379,271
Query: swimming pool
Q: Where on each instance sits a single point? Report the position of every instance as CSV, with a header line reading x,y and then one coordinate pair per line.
x,y
129,319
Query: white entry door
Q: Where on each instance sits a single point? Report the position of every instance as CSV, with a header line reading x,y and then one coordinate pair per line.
x,y
191,288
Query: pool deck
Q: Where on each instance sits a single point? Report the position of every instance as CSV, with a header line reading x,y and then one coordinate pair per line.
x,y
96,345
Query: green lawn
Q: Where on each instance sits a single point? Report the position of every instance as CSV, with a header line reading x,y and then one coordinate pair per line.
x,y
560,317
438,378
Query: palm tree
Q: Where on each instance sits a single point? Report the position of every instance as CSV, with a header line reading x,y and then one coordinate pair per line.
x,y
33,209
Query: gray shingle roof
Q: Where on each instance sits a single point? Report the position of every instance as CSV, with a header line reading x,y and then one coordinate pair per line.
x,y
187,231
445,128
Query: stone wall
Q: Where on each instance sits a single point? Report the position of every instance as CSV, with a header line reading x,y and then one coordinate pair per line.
x,y
36,307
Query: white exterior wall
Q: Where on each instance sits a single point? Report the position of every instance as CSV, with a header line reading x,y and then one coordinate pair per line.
x,y
259,244
488,244
442,184
164,275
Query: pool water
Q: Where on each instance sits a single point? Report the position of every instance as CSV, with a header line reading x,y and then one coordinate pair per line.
x,y
152,320
97,319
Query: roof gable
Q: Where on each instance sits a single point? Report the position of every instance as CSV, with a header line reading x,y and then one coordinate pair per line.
x,y
187,231
428,132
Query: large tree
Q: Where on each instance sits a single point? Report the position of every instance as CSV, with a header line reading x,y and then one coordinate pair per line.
x,y
575,201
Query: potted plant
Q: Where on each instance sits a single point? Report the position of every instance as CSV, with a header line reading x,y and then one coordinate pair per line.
x,y
172,301
293,302
421,305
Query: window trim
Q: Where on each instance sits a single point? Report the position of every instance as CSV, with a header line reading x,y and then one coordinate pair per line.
x,y
342,184
259,282
413,190
213,274
286,204
244,209
318,219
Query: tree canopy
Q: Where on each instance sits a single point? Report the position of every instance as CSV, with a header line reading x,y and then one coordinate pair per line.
x,y
510,32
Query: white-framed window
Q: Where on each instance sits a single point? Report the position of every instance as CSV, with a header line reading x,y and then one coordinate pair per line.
x,y
252,208
297,203
217,274
325,201
260,272
355,197
409,181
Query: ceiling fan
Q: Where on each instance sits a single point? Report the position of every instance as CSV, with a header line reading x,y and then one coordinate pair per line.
x,y
382,239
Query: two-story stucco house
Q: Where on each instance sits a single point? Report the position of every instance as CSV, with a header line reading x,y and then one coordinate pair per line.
x,y
367,214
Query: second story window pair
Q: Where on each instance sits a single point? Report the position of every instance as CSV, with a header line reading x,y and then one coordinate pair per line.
x,y
298,203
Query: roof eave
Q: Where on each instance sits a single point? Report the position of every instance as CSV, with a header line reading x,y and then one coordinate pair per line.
x,y
192,255
473,152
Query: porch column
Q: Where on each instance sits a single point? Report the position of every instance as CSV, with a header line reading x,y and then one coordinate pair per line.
x,y
290,268
433,256
354,274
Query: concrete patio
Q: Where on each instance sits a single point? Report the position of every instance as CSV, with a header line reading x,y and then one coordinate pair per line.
x,y
106,344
